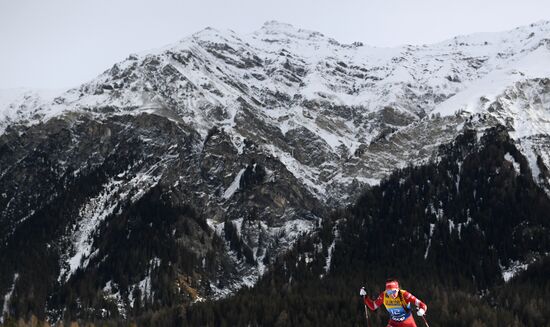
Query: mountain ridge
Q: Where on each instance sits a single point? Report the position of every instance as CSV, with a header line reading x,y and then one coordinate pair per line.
x,y
285,85
233,147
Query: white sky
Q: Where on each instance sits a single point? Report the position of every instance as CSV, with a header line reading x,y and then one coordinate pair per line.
x,y
62,43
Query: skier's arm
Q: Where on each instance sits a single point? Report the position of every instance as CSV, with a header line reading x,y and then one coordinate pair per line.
x,y
409,298
373,305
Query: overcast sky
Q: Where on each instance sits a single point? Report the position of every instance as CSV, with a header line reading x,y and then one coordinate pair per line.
x,y
63,43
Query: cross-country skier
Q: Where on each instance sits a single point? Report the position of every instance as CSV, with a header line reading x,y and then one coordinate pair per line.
x,y
398,303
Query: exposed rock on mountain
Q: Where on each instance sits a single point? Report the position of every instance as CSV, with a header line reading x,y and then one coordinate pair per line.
x,y
181,174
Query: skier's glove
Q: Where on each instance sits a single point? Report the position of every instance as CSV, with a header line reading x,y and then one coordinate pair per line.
x,y
420,312
362,292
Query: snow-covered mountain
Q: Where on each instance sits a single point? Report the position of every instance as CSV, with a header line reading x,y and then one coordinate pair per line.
x,y
311,89
254,137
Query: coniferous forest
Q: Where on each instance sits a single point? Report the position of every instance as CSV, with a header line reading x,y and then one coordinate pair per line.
x,y
270,174
445,230
501,215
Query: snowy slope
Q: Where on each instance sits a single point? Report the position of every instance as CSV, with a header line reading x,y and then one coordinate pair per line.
x,y
20,104
346,97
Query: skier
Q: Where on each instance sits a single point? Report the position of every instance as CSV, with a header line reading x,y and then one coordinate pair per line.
x,y
397,302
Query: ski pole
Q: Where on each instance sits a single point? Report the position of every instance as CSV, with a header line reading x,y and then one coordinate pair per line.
x,y
425,321
367,312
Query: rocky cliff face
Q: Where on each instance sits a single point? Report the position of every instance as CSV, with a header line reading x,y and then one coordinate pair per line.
x,y
180,174
122,201
468,234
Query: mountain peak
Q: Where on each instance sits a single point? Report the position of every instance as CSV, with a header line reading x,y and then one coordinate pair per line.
x,y
210,34
207,32
276,28
541,23
274,24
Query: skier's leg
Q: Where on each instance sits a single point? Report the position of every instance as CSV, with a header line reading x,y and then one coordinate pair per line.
x,y
409,322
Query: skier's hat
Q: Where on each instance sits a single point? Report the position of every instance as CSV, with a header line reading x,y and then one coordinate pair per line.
x,y
392,284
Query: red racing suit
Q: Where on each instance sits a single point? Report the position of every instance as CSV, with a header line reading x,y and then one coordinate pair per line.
x,y
399,308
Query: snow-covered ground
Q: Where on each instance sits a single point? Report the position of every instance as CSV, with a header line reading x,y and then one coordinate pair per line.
x,y
513,269
7,298
20,103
